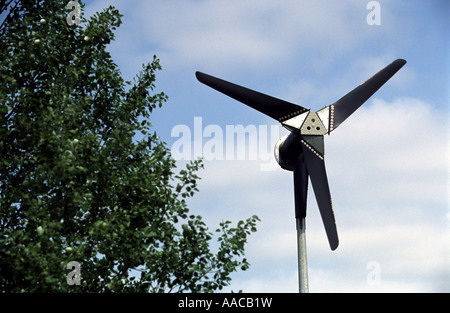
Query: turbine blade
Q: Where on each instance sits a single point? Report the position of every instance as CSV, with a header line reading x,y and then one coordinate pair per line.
x,y
344,107
316,169
273,107
300,187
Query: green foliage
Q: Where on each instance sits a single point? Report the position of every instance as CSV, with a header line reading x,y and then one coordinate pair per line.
x,y
76,185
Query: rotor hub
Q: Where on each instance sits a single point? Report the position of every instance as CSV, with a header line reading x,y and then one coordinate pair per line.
x,y
313,125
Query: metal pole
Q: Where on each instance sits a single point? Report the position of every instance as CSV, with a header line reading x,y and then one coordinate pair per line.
x,y
302,264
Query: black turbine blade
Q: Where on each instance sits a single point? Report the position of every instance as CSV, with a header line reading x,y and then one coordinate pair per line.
x,y
316,169
273,107
344,107
300,187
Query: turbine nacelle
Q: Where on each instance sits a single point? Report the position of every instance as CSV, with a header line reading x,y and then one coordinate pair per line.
x,y
286,150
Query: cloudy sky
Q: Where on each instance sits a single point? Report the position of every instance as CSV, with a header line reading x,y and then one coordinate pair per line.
x,y
387,165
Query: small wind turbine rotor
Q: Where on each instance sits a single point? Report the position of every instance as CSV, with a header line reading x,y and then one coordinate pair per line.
x,y
302,151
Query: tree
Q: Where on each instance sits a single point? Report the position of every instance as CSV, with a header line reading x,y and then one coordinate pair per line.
x,y
76,184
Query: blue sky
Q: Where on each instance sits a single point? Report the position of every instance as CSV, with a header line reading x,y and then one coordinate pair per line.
x,y
387,165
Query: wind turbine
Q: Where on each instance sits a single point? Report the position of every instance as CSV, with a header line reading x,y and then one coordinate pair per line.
x,y
302,151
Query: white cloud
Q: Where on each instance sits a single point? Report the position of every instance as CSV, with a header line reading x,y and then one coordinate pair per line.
x,y
398,147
